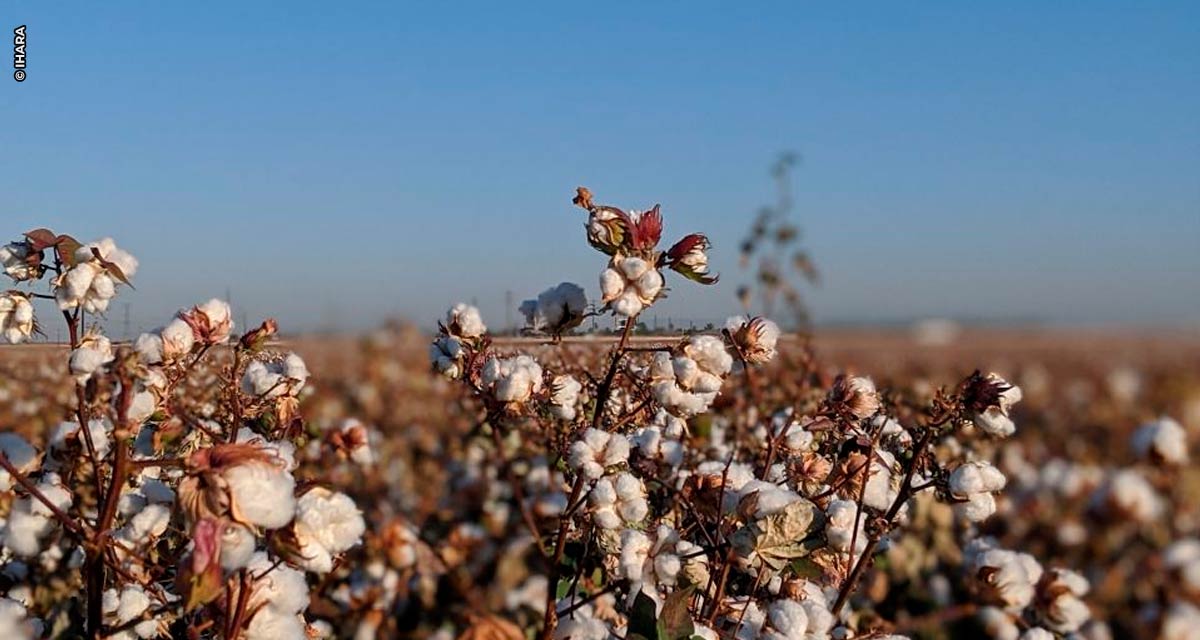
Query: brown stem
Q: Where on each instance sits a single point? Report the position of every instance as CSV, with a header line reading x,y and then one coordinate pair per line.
x,y
902,496
515,483
604,391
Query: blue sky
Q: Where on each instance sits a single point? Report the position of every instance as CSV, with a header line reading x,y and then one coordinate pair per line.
x,y
335,163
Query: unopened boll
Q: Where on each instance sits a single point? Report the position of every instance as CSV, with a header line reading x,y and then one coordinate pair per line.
x,y
16,317
630,284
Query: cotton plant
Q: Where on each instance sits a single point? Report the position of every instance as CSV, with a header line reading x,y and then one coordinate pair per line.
x,y
760,524
171,495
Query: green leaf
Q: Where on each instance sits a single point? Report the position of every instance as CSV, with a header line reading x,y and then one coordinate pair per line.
x,y
642,616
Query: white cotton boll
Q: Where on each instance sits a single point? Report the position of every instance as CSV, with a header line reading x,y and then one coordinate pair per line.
x,y
879,492
635,550
976,508
238,545
93,352
262,493
649,285
178,338
271,624
327,523
995,420
1164,439
666,568
23,532
611,284
150,523
633,268
840,518
710,353
1131,494
629,304
464,321
15,623
976,477
277,585
1180,622
581,627
788,616
1037,633
16,317
52,489
1010,576
998,624
20,454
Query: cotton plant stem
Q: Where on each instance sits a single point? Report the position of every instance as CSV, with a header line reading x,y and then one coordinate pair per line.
x,y
603,393
906,492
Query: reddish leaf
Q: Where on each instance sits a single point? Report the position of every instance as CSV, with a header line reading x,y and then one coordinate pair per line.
x,y
648,231
65,248
111,267
39,239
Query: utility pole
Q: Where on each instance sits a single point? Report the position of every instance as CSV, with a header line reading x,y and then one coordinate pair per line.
x,y
126,332
508,310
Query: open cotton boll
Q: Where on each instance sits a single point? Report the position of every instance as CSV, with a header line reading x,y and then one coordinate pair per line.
x,y
446,355
14,259
974,483
564,397
994,419
277,585
20,454
238,545
596,451
177,338
1060,600
1006,577
841,516
16,317
618,501
464,321
15,623
513,380
262,493
124,606
1128,493
1163,440
327,524
271,624
94,351
881,489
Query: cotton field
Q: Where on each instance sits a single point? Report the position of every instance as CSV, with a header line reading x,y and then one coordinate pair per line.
x,y
209,480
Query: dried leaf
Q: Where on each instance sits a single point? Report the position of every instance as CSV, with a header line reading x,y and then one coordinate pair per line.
x,y
40,239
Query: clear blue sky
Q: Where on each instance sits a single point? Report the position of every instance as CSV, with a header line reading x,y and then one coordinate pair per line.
x,y
334,163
